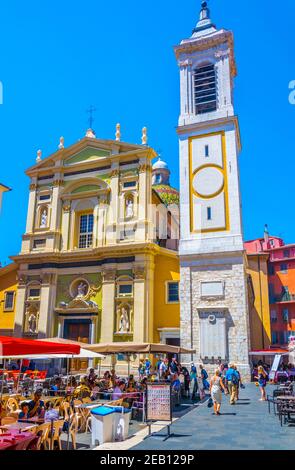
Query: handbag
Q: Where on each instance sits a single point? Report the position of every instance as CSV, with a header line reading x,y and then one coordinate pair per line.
x,y
210,403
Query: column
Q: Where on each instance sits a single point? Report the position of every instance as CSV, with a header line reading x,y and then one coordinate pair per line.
x,y
144,201
114,209
56,209
141,304
51,329
31,206
20,307
108,305
65,225
44,307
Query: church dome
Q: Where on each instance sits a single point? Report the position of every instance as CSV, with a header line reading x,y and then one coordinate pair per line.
x,y
167,194
160,165
161,183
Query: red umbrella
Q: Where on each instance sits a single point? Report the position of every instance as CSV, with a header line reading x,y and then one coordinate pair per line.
x,y
23,347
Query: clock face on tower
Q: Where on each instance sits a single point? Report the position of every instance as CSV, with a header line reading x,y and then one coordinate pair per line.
x,y
208,183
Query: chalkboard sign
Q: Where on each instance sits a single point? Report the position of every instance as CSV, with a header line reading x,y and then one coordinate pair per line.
x,y
158,403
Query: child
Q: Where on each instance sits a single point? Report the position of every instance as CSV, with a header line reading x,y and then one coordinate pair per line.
x,y
24,414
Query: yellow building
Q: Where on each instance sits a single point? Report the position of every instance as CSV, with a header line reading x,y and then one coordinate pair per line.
x,y
99,260
259,313
8,293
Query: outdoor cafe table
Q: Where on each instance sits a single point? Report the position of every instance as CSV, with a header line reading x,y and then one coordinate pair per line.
x,y
15,440
286,397
19,426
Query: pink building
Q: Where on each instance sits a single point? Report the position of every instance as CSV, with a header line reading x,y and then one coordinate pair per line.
x,y
281,284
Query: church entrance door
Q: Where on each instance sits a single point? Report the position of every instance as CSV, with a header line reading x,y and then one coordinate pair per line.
x,y
78,330
172,342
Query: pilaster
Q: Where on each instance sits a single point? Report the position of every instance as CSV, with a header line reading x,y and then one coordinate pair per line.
x,y
108,304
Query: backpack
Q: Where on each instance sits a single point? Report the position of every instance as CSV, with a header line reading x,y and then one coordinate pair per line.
x,y
234,379
204,374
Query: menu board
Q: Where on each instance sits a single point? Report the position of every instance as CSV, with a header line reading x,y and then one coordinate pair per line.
x,y
158,402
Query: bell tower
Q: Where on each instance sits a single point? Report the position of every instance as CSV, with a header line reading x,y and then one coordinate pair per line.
x,y
213,288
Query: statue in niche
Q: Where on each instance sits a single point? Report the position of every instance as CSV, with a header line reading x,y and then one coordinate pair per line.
x,y
44,215
32,323
124,324
82,289
129,208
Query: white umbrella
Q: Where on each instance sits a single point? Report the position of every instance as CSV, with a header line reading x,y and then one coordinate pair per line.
x,y
83,353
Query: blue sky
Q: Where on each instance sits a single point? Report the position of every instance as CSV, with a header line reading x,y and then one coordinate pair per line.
x,y
57,58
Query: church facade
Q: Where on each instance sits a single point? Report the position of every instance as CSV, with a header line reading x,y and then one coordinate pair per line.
x,y
99,260
103,258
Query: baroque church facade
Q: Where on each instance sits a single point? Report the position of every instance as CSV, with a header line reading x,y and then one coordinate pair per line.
x,y
100,247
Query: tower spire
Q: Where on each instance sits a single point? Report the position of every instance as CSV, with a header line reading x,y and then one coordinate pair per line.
x,y
205,20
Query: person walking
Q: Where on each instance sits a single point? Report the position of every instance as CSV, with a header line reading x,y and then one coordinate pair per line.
x,y
193,385
232,380
216,387
262,380
240,384
204,377
162,369
174,366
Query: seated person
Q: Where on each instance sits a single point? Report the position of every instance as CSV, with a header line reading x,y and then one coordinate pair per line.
x,y
97,390
54,389
24,414
107,375
36,406
118,390
83,390
72,384
91,377
50,414
113,378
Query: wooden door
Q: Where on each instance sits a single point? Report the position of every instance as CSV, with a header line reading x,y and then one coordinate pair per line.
x,y
78,330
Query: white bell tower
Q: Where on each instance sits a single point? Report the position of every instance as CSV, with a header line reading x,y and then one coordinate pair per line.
x,y
213,289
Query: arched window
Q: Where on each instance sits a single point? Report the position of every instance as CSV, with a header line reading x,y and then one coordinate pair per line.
x,y
205,92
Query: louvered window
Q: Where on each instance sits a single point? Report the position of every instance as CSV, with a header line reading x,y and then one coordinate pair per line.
x,y
205,89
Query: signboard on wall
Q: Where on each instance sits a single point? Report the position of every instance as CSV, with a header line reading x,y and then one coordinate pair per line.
x,y
158,402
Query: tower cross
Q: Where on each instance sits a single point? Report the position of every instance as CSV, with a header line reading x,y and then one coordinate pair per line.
x,y
91,111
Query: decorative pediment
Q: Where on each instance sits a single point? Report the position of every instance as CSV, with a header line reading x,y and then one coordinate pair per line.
x,y
79,303
87,155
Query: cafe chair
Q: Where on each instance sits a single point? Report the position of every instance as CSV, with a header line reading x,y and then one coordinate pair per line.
x,y
73,429
57,429
87,400
12,405
65,409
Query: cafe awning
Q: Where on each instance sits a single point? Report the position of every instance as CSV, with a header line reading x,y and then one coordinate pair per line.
x,y
10,346
268,352
137,348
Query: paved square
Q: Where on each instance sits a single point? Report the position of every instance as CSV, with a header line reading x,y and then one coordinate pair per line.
x,y
246,425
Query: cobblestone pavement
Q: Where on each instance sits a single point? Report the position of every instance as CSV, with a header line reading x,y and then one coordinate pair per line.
x,y
246,425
